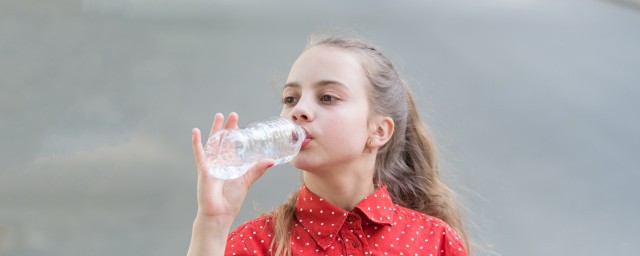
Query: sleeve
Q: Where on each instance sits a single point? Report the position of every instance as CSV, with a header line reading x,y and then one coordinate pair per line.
x,y
250,238
451,243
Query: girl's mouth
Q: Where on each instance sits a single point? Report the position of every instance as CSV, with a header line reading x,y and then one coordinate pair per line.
x,y
306,140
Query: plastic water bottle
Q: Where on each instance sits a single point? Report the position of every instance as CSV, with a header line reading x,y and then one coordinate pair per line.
x,y
231,152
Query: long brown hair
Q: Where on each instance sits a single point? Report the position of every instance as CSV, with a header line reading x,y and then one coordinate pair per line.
x,y
407,164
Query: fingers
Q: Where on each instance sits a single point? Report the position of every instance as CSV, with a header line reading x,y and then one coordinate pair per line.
x,y
217,123
232,121
218,120
256,171
198,151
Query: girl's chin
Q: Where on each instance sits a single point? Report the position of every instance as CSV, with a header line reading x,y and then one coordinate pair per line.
x,y
300,162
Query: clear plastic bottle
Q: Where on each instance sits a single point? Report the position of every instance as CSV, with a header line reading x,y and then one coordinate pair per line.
x,y
231,152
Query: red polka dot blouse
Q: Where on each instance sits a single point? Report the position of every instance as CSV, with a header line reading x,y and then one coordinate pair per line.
x,y
375,226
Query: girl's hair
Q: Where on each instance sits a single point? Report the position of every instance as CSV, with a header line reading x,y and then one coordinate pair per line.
x,y
407,163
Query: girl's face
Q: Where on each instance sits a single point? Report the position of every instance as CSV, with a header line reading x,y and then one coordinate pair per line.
x,y
326,93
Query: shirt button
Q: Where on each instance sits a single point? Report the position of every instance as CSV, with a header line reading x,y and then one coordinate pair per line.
x,y
355,244
351,219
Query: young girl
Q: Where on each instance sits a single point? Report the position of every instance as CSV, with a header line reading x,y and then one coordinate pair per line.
x,y
371,182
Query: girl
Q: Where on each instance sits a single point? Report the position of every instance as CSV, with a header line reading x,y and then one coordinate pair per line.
x,y
371,182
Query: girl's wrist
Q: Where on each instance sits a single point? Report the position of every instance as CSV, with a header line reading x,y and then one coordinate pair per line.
x,y
209,236
217,223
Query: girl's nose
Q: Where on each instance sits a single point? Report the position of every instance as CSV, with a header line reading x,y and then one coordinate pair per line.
x,y
302,113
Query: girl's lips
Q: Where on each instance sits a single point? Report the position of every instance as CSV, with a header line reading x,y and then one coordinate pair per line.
x,y
307,139
305,142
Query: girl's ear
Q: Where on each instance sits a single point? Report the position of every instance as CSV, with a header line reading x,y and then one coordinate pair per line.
x,y
384,127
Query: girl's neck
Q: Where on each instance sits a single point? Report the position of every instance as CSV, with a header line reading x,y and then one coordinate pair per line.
x,y
344,188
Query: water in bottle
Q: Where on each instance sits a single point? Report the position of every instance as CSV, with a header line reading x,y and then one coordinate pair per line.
x,y
231,152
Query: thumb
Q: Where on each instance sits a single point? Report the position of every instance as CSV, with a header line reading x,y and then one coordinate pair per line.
x,y
257,170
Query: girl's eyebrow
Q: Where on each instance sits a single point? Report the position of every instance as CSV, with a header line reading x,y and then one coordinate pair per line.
x,y
321,83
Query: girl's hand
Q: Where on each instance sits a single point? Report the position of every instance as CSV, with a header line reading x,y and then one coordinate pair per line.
x,y
222,199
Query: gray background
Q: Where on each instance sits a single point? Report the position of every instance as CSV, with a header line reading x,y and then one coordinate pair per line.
x,y
534,105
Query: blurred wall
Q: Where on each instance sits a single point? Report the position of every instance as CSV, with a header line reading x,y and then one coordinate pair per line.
x,y
534,105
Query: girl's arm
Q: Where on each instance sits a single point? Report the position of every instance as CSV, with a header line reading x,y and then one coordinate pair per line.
x,y
219,201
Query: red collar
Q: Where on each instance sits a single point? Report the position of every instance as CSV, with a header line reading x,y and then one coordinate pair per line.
x,y
323,220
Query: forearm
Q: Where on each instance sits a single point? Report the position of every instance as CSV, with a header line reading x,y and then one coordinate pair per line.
x,y
209,236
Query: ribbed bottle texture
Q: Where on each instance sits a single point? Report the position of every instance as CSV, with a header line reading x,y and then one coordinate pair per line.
x,y
231,152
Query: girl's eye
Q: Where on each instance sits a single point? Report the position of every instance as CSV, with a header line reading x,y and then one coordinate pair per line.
x,y
327,98
289,100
